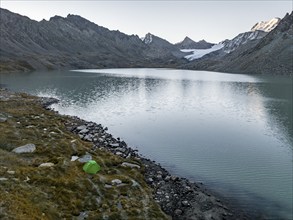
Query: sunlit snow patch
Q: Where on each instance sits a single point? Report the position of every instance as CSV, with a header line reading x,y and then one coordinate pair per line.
x,y
198,53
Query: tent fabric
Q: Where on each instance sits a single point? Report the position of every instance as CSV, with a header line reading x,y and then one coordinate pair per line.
x,y
91,167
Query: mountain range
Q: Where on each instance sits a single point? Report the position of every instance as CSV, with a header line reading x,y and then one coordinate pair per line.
x,y
73,42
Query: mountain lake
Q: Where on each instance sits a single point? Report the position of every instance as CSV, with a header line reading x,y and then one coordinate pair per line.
x,y
231,132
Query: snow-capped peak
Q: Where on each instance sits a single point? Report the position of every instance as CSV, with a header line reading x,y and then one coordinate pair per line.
x,y
148,38
266,26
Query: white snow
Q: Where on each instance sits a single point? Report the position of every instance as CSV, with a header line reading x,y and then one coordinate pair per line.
x,y
198,53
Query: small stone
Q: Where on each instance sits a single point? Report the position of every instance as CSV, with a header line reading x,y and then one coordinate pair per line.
x,y
131,165
178,212
185,203
3,119
84,131
118,153
134,183
159,193
159,177
85,158
11,172
47,165
88,137
3,179
167,178
107,186
150,180
174,178
116,182
74,158
79,128
114,145
28,148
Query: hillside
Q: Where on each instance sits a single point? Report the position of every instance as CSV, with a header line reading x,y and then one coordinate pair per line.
x,y
271,54
68,43
73,42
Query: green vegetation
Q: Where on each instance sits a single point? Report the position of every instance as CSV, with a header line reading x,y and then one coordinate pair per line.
x,y
63,190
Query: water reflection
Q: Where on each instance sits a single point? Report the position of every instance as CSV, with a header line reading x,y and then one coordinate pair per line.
x,y
232,132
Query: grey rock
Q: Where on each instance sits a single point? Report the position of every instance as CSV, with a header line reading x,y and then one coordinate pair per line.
x,y
47,165
116,182
28,148
131,165
178,212
150,180
3,119
114,145
118,153
3,178
84,131
88,137
134,183
79,128
82,215
159,177
85,158
107,186
185,203
74,158
167,178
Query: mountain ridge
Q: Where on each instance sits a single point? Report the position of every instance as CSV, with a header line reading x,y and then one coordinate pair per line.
x,y
74,42
271,54
188,43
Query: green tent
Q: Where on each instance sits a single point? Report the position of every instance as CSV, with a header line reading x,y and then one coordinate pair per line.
x,y
91,167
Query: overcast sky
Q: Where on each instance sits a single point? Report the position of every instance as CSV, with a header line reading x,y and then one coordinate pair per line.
x,y
213,21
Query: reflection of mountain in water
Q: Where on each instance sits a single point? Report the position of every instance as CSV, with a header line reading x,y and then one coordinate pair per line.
x,y
218,128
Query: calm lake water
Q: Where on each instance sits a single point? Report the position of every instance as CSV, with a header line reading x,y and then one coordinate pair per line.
x,y
231,132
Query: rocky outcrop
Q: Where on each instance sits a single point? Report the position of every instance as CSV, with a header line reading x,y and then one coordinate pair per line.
x,y
188,43
159,48
266,26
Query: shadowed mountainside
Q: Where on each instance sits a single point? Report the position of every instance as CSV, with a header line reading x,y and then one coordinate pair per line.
x,y
71,42
76,43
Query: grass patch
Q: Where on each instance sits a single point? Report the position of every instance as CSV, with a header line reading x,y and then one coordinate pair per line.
x,y
64,190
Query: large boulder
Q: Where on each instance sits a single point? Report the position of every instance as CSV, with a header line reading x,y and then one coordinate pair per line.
x,y
28,148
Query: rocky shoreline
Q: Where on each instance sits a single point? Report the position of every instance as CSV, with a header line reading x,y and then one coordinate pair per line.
x,y
123,179
178,197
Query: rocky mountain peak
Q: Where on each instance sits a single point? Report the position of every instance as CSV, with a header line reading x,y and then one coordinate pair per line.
x,y
148,38
188,43
266,26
